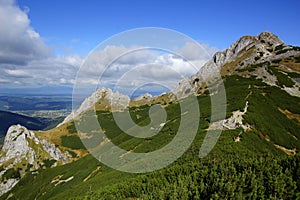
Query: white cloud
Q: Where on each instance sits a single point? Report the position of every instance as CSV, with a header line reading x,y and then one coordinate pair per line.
x,y
2,80
50,71
137,66
17,73
26,60
19,42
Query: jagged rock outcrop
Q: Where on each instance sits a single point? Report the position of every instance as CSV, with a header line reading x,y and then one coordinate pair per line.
x,y
16,145
106,99
258,50
247,51
142,97
23,152
233,122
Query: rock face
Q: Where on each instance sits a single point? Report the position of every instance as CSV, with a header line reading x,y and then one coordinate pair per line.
x,y
233,122
247,51
260,43
104,99
16,145
142,100
142,97
23,152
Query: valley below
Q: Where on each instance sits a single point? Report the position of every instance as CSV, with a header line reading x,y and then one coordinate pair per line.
x,y
37,112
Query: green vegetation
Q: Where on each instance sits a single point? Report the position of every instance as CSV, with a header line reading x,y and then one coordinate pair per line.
x,y
28,167
48,163
33,185
281,51
282,79
276,61
73,154
250,68
237,91
293,75
297,59
215,179
11,173
279,47
71,128
72,142
251,168
141,117
296,48
263,114
54,123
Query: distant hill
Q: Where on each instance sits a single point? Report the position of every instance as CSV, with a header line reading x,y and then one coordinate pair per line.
x,y
8,118
38,90
11,102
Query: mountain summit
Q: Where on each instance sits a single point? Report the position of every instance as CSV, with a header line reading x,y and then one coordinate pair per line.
x,y
250,55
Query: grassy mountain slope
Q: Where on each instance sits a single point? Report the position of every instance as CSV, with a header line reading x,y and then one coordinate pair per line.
x,y
253,166
261,77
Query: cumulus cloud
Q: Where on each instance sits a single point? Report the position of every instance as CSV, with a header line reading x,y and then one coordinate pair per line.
x,y
19,42
51,71
25,60
125,68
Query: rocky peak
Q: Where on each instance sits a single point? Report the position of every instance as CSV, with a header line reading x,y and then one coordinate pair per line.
x,y
106,99
16,144
269,37
246,51
262,41
23,152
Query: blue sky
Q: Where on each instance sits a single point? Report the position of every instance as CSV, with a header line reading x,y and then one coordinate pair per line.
x,y
78,26
43,43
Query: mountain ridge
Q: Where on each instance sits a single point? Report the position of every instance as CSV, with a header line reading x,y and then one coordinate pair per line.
x,y
258,48
260,74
